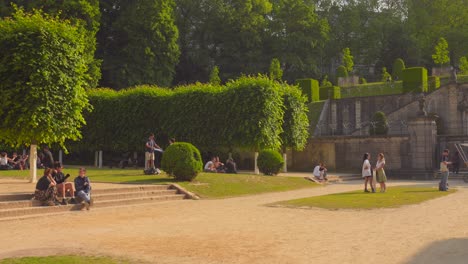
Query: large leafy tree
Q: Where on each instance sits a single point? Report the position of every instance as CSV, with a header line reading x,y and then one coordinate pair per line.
x,y
83,13
137,42
43,75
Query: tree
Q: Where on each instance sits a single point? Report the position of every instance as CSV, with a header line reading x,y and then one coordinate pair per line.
x,y
44,74
81,13
348,60
275,70
214,76
138,43
441,52
379,125
341,72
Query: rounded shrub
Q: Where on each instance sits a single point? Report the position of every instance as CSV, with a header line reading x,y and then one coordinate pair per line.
x,y
270,162
379,125
182,160
397,69
341,72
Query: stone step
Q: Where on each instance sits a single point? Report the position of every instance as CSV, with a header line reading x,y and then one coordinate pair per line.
x,y
133,189
16,197
39,210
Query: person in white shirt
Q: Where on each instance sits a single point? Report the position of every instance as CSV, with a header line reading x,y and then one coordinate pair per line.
x,y
366,172
210,165
320,172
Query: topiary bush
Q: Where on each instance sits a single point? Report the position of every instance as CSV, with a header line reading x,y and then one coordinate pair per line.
x,y
379,125
433,83
397,69
182,160
269,162
414,80
309,88
341,72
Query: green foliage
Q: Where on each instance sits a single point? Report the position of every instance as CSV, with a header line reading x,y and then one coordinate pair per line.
x,y
433,83
372,89
182,160
296,123
441,52
348,62
333,92
270,162
362,80
138,43
414,80
464,65
379,124
342,72
214,76
309,88
246,113
43,75
397,69
325,82
276,73
385,75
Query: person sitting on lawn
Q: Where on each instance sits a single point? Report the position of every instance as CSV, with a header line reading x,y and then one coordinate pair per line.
x,y
83,189
219,166
62,186
231,166
15,161
210,165
46,190
320,172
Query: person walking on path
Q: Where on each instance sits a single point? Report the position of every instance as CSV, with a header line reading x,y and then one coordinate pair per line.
x,y
380,172
444,171
366,172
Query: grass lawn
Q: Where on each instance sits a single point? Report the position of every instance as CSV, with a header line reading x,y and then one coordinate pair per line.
x,y
394,197
63,260
206,185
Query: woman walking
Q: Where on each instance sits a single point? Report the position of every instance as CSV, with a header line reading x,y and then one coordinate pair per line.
x,y
366,172
379,168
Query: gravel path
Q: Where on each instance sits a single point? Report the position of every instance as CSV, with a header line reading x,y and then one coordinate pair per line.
x,y
244,230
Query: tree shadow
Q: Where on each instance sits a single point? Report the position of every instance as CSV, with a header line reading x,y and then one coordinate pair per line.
x,y
453,251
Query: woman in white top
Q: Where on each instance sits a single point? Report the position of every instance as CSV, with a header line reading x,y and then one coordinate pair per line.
x,y
379,168
366,172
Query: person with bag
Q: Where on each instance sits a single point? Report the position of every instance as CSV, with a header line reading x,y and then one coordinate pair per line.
x,y
380,172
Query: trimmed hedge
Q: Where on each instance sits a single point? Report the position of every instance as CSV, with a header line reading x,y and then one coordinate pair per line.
x,y
246,113
333,92
270,162
372,89
433,83
397,69
182,160
341,72
309,88
296,122
414,79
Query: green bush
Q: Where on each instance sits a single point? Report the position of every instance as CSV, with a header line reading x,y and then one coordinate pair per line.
x,y
309,88
385,75
433,83
462,78
397,69
269,162
362,80
414,79
325,82
296,123
333,92
372,89
379,125
341,72
182,160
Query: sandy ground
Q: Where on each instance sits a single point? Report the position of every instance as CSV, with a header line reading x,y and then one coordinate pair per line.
x,y
244,230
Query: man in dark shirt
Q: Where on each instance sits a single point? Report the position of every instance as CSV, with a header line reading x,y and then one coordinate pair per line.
x,y
62,186
83,189
48,160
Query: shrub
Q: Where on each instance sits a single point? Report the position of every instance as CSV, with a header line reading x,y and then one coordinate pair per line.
x,y
325,82
372,89
333,92
441,52
433,83
182,160
385,75
397,69
341,72
379,125
276,73
362,80
270,162
214,76
296,123
348,60
309,88
464,65
414,79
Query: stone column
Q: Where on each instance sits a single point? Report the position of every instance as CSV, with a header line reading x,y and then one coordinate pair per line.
x,y
423,138
358,115
453,124
333,124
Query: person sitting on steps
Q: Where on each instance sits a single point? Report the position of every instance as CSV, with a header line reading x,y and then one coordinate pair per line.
x,y
46,191
83,189
63,187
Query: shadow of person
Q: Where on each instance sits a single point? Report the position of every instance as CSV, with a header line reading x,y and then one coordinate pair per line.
x,y
453,251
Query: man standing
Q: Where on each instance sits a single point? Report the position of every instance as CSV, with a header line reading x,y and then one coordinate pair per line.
x,y
151,146
48,161
444,171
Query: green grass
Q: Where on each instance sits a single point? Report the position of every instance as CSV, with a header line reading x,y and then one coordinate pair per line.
x,y
394,197
63,260
206,185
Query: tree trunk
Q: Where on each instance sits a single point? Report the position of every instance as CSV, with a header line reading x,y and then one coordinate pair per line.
x,y
256,170
285,165
33,163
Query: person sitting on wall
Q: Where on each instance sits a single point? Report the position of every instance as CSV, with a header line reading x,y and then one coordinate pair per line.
x,y
231,166
210,165
83,189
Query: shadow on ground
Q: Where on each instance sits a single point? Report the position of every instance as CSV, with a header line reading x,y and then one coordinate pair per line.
x,y
453,251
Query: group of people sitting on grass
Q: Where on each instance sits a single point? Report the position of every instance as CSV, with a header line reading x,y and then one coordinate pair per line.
x,y
215,166
53,185
16,162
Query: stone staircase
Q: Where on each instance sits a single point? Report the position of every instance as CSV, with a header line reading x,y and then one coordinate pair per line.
x,y
21,205
343,177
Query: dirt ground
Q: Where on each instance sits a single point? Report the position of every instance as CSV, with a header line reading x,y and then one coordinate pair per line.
x,y
244,230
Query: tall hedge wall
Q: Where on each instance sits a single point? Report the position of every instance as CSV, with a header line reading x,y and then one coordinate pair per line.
x,y
296,121
333,92
246,113
372,89
433,83
414,79
309,88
